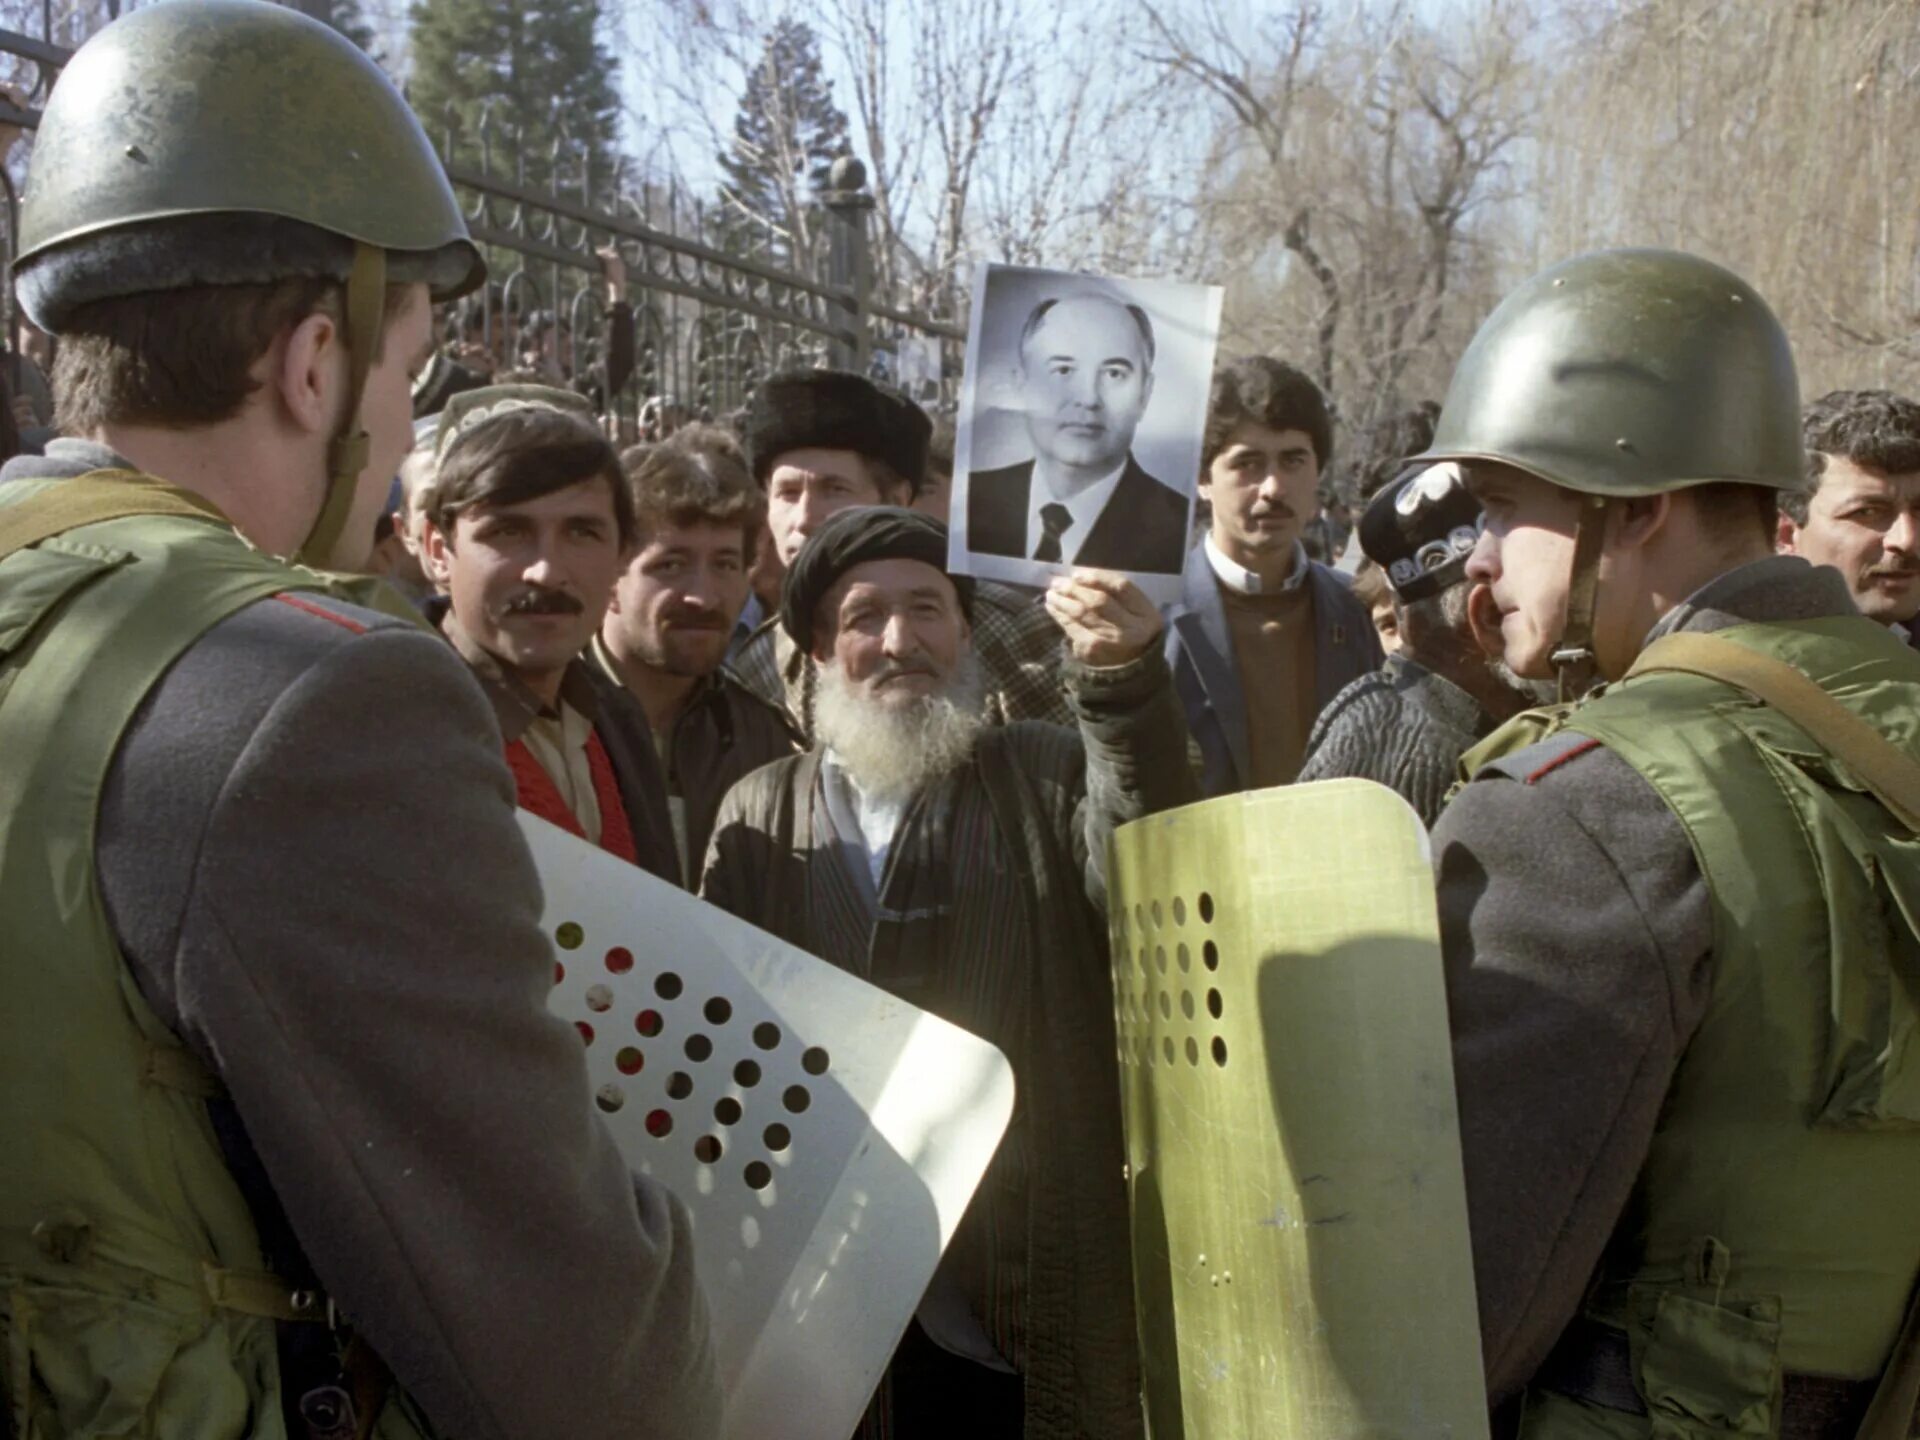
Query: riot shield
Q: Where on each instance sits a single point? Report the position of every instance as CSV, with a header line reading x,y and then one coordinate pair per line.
x,y
1301,1256
826,1136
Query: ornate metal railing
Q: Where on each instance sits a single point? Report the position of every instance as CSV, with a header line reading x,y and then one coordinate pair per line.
x,y
713,312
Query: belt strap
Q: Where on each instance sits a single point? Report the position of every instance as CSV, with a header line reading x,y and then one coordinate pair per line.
x,y
93,499
1594,1363
1883,768
254,1292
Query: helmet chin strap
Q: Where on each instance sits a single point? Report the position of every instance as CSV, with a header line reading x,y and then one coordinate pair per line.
x,y
348,451
1574,662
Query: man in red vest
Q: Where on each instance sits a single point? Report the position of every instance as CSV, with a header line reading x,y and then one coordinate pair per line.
x,y
529,523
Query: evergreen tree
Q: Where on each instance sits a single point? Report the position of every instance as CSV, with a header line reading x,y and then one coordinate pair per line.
x,y
786,135
346,16
540,65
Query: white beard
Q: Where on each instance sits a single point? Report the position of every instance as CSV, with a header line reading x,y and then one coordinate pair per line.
x,y
890,751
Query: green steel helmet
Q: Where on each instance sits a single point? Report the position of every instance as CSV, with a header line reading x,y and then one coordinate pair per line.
x,y
210,142
1627,373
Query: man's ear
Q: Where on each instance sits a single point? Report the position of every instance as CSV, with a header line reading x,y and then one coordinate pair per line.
x,y
1786,537
1637,520
436,551
306,371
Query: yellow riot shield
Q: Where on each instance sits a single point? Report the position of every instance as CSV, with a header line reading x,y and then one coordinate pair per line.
x,y
1301,1256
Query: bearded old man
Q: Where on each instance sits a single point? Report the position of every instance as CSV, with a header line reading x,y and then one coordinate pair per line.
x,y
961,866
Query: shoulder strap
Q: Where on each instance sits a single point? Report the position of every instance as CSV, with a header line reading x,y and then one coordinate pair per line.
x,y
1892,776
90,499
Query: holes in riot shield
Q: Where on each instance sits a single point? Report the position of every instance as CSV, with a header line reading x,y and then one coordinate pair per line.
x,y
797,1098
619,960
766,1035
1186,1003
1219,1051
569,936
586,1031
599,999
610,1097
1167,1048
718,1011
707,1149
559,972
1193,1051
727,1111
659,1124
1184,956
1154,910
746,1074
679,1085
629,1061
1210,955
699,1048
1179,911
668,986
814,1061
1214,1005
759,1175
1206,908
778,1137
649,1023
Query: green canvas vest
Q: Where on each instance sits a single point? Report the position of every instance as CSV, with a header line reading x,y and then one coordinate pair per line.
x,y
1775,1226
133,1295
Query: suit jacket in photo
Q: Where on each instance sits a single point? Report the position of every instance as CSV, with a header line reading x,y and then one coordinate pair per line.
x,y
1200,651
1143,527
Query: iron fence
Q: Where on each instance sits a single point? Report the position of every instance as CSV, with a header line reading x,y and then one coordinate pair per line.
x,y
712,313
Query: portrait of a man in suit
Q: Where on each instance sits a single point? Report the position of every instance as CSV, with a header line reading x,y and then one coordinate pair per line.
x,y
1085,372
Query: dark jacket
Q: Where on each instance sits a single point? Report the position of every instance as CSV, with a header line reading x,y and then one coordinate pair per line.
x,y
1403,727
725,732
1200,650
1142,528
1057,796
515,707
307,852
1577,933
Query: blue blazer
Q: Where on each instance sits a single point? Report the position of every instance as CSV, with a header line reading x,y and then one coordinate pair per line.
x,y
1200,653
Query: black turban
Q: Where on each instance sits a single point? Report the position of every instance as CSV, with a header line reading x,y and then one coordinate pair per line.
x,y
853,537
836,410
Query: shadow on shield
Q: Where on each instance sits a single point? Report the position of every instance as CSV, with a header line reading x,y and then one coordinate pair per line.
x,y
1301,1255
825,1136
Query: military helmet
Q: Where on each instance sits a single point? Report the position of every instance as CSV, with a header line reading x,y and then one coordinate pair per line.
x,y
1627,373
211,142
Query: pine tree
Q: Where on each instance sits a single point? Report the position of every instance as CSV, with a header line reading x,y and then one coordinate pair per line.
x,y
786,135
541,68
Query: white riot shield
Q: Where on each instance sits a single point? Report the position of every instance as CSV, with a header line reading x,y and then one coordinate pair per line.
x,y
1301,1257
826,1136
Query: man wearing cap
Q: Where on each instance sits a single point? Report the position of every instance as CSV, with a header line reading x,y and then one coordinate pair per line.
x,y
1406,725
961,866
1263,637
288,1141
528,525
656,662
1673,912
821,440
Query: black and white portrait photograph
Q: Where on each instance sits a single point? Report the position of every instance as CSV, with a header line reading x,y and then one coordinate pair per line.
x,y
1080,425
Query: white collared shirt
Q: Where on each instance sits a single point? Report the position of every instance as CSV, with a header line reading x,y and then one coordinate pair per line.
x,y
1243,581
1084,507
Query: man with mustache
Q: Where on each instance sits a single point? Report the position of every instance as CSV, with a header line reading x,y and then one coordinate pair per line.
x,y
1086,376
528,525
961,865
1263,637
1407,724
1859,508
657,659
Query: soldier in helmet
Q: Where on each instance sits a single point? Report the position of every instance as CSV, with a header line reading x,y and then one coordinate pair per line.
x,y
288,1142
1672,909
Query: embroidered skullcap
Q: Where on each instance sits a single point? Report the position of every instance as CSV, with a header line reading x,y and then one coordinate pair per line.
x,y
1420,530
471,409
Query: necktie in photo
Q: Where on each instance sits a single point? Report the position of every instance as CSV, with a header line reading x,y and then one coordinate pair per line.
x,y
1054,520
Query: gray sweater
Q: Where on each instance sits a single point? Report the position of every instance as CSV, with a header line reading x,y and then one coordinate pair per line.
x,y
308,853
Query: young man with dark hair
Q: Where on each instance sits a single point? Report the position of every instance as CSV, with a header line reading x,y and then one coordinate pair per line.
x,y
1859,510
821,441
1263,636
529,522
656,662
282,1111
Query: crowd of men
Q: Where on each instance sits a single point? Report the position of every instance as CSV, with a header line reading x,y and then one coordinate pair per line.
x,y
285,1128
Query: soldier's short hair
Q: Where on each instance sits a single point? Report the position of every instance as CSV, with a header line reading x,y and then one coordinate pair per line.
x,y
522,455
1873,428
182,359
1260,390
698,475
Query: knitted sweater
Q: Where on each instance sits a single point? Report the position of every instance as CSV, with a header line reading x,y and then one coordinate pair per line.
x,y
1403,726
